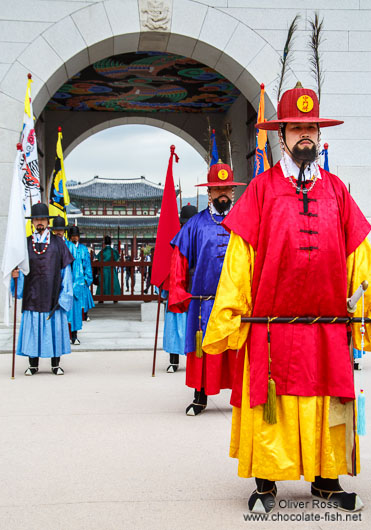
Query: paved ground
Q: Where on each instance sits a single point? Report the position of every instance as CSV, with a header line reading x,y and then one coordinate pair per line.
x,y
108,447
112,327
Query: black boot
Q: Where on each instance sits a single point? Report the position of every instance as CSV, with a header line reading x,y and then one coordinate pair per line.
x,y
174,363
74,340
330,489
34,366
56,369
263,499
199,403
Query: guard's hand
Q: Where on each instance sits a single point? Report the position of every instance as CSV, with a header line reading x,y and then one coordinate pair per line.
x,y
15,273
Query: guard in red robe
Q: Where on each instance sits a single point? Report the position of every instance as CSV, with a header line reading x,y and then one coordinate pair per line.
x,y
200,246
298,247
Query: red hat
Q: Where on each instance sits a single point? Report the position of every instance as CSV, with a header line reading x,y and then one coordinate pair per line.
x,y
220,175
298,105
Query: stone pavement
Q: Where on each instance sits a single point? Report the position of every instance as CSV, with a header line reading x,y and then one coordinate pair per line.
x,y
112,327
108,447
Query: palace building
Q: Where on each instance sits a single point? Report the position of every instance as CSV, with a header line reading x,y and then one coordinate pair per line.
x,y
126,209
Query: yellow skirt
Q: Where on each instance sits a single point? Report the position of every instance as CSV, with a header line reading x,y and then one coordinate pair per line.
x,y
302,442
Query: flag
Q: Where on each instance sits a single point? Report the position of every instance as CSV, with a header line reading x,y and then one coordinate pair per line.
x,y
324,153
168,227
214,150
31,174
261,161
59,197
15,252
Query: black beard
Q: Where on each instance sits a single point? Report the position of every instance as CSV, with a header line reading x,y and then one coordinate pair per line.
x,y
222,207
40,229
307,154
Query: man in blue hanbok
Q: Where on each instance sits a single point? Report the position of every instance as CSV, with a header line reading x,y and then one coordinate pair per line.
x,y
47,296
82,279
201,245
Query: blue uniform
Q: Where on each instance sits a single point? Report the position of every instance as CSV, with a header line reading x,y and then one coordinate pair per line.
x,y
82,278
174,330
203,243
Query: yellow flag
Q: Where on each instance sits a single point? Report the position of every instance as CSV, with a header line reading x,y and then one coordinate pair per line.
x,y
59,197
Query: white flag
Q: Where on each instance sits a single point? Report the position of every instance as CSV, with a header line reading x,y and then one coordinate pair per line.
x,y
32,193
15,248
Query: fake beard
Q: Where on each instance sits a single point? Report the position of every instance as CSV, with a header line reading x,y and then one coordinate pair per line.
x,y
40,228
306,154
222,206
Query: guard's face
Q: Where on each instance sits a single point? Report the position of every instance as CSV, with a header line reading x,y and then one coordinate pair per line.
x,y
302,139
222,193
58,233
75,239
221,197
40,224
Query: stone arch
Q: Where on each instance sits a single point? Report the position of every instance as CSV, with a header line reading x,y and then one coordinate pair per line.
x,y
153,122
112,27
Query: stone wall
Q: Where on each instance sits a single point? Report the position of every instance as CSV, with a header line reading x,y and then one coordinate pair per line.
x,y
242,39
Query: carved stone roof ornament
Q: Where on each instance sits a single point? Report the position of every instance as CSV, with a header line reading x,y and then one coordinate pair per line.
x,y
155,15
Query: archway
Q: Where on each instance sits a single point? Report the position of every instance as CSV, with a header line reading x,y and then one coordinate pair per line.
x,y
108,28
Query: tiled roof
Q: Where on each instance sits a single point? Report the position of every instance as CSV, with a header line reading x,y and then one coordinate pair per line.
x,y
116,189
114,222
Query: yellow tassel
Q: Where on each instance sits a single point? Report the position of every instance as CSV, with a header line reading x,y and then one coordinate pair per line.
x,y
270,409
199,353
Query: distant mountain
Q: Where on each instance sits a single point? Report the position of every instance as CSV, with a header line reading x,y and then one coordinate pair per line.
x,y
202,201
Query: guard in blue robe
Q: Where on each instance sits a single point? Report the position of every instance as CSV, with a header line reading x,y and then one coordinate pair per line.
x,y
47,296
200,246
82,279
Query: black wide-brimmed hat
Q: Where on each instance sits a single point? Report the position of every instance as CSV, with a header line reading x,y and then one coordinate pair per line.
x,y
59,223
74,231
40,211
187,212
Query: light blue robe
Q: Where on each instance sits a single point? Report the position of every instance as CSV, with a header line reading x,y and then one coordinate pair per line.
x,y
175,325
39,337
82,279
88,302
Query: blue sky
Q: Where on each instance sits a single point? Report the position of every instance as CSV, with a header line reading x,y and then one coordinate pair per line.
x,y
133,150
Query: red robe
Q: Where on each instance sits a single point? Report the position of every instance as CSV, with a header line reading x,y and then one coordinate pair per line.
x,y
300,270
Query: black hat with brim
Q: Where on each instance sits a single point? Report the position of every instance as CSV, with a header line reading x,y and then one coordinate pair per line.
x,y
59,223
74,231
40,211
187,212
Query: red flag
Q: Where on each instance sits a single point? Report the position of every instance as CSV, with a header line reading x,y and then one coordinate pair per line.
x,y
168,227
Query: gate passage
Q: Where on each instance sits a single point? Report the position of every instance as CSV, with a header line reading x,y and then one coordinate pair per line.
x,y
122,279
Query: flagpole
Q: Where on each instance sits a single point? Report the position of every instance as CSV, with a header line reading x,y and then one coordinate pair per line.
x,y
197,194
180,196
156,335
14,323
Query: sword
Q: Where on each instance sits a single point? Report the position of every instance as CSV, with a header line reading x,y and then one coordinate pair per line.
x,y
57,306
352,301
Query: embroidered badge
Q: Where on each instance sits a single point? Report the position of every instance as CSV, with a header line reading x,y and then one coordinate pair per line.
x,y
305,103
222,174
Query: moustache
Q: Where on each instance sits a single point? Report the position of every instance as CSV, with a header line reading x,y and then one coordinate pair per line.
x,y
305,140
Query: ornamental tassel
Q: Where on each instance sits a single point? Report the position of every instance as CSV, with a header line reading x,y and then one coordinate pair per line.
x,y
199,353
199,337
361,414
270,407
